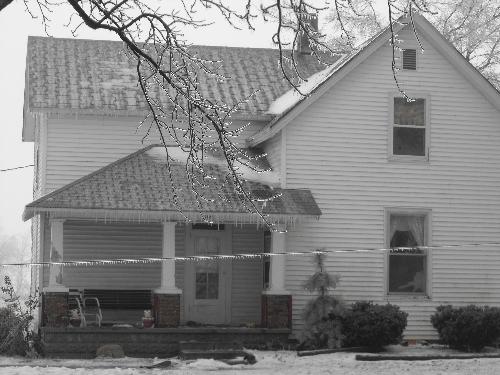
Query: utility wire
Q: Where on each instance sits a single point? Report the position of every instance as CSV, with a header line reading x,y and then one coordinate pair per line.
x,y
14,168
93,262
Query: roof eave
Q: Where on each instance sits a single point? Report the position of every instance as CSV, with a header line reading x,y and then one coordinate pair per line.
x,y
173,215
264,117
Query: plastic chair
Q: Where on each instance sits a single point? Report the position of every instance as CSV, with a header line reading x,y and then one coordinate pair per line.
x,y
89,307
92,307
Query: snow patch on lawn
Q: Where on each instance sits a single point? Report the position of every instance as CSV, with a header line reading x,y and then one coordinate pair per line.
x,y
268,362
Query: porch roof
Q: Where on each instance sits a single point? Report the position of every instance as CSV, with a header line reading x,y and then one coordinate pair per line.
x,y
141,186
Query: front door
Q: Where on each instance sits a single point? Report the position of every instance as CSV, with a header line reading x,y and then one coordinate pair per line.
x,y
207,292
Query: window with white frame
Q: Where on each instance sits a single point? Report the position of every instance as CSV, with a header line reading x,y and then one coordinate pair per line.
x,y
407,261
409,127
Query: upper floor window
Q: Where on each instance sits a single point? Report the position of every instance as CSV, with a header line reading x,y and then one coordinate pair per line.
x,y
409,127
407,261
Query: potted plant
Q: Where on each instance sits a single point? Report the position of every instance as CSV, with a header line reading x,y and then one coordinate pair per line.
x,y
74,318
147,319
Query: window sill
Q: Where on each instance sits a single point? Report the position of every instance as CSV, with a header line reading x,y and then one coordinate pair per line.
x,y
408,159
407,297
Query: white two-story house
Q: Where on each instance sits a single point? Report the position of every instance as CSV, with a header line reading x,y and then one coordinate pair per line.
x,y
360,170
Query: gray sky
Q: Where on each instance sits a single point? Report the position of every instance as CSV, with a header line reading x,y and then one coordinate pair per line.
x,y
15,26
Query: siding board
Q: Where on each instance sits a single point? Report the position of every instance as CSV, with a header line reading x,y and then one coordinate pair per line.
x,y
246,275
77,146
338,148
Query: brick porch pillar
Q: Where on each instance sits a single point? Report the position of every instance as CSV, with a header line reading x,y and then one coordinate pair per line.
x,y
54,309
276,300
167,298
55,295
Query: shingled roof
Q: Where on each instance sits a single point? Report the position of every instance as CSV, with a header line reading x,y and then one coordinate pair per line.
x,y
96,76
140,185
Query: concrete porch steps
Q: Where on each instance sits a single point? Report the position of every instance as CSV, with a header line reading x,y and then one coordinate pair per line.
x,y
220,350
209,345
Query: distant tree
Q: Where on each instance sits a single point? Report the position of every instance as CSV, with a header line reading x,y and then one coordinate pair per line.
x,y
472,26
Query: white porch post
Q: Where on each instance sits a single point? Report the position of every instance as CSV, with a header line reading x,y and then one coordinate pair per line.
x,y
56,255
276,300
277,268
168,266
167,298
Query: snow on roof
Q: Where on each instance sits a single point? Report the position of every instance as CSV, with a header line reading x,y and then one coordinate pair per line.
x,y
252,172
289,99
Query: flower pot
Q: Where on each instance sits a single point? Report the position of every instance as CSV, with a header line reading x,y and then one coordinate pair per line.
x,y
147,322
75,322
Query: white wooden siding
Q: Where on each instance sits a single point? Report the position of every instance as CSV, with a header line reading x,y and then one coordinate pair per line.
x,y
338,148
97,240
246,275
272,147
94,240
78,146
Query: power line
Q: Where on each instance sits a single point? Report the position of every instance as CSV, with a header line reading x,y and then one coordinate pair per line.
x,y
198,258
14,168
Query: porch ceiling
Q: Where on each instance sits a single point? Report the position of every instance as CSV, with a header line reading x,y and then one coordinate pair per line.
x,y
141,186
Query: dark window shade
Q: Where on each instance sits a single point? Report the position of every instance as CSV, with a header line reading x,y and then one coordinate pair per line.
x,y
408,141
121,299
409,113
407,273
410,59
207,226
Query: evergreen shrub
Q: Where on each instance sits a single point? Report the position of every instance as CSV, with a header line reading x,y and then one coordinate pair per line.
x,y
322,314
469,328
11,333
375,326
16,336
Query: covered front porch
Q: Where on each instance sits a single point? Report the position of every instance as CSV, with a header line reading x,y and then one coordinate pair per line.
x,y
168,276
136,227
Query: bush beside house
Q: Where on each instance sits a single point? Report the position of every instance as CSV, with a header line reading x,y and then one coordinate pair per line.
x,y
16,336
328,323
374,326
469,328
322,314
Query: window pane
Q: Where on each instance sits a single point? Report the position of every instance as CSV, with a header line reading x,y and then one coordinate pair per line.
x,y
407,273
407,230
409,113
408,141
213,286
201,285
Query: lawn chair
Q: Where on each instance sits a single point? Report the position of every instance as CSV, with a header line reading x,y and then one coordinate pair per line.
x,y
89,307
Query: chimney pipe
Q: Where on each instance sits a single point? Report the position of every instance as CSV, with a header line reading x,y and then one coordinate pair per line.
x,y
310,21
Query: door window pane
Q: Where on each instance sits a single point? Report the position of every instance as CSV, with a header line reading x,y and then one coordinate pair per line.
x,y
207,271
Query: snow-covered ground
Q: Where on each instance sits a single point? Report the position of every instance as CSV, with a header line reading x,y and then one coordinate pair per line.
x,y
275,363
